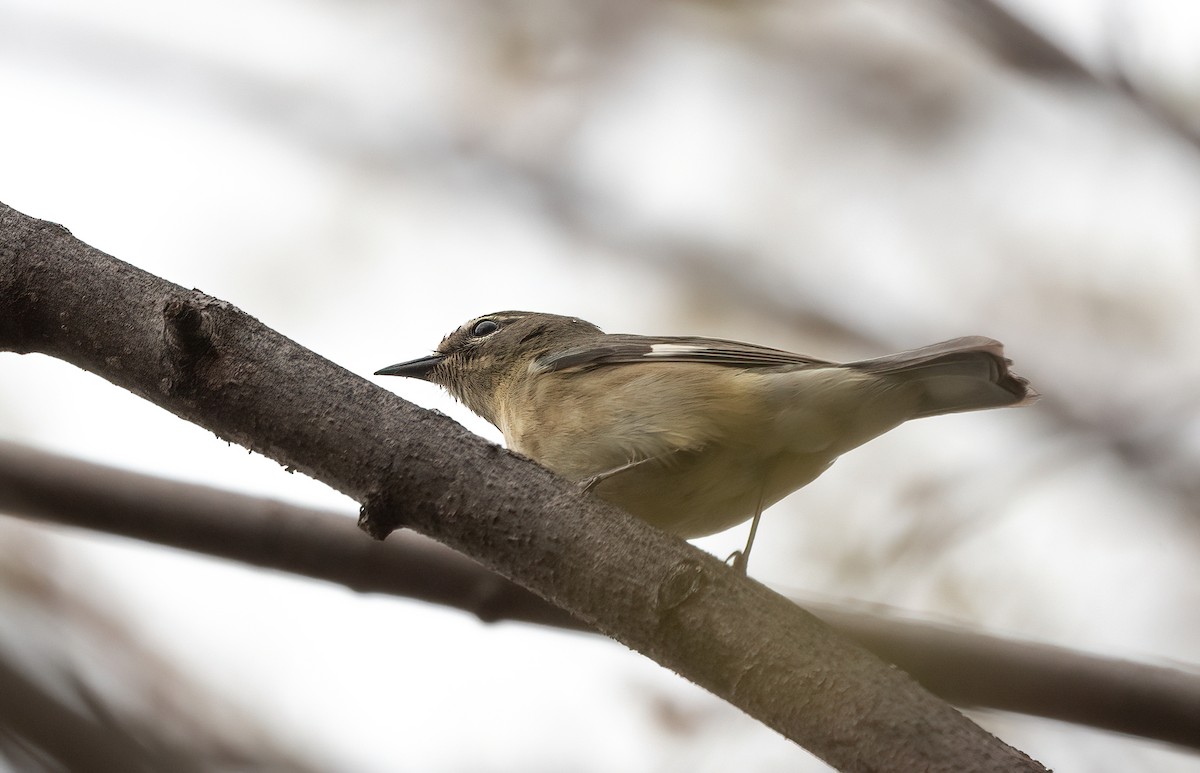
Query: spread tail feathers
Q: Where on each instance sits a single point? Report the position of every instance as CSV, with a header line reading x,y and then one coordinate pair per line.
x,y
965,374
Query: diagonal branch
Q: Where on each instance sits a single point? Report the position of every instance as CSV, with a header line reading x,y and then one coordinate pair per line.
x,y
214,365
968,668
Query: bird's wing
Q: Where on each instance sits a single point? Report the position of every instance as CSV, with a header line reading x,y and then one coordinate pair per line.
x,y
628,349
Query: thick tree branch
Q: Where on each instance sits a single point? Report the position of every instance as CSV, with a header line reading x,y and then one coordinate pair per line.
x,y
211,364
968,668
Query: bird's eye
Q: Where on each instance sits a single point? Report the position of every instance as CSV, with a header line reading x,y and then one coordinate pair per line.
x,y
484,327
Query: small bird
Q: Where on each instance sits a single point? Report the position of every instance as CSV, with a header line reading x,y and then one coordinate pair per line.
x,y
696,435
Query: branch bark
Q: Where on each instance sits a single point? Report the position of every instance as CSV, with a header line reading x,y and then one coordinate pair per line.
x,y
216,366
965,667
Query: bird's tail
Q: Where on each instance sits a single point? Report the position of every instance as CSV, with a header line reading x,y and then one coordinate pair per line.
x,y
965,374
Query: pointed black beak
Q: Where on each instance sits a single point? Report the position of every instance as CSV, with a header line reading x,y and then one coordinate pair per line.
x,y
413,369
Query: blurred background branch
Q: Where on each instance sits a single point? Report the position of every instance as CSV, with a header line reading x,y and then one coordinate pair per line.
x,y
81,690
1021,46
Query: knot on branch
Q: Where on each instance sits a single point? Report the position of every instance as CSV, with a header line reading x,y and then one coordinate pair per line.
x,y
189,327
377,517
684,581
189,333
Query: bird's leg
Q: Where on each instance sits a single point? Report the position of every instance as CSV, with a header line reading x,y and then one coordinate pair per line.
x,y
740,559
590,483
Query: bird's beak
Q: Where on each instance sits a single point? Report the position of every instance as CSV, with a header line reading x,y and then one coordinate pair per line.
x,y
414,368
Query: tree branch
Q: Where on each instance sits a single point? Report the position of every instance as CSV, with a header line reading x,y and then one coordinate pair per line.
x,y
216,366
968,668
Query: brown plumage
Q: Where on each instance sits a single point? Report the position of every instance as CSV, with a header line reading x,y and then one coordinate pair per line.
x,y
691,434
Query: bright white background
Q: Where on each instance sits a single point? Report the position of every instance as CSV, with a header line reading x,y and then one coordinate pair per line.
x,y
365,176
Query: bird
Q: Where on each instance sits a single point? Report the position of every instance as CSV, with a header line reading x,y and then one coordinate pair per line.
x,y
696,435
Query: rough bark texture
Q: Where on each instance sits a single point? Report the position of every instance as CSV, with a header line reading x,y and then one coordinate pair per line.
x,y
211,364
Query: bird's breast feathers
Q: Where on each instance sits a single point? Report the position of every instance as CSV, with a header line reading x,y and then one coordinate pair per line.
x,y
584,422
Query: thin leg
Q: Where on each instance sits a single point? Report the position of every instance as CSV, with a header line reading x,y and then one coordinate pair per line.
x,y
740,559
591,483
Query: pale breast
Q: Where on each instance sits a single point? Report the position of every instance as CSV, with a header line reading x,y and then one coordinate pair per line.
x,y
582,423
719,440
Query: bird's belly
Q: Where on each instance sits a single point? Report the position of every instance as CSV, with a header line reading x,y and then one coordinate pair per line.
x,y
712,444
696,493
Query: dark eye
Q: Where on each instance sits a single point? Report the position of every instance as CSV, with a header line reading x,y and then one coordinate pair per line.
x,y
484,327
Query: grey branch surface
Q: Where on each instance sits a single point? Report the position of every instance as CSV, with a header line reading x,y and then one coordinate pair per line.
x,y
214,365
965,667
